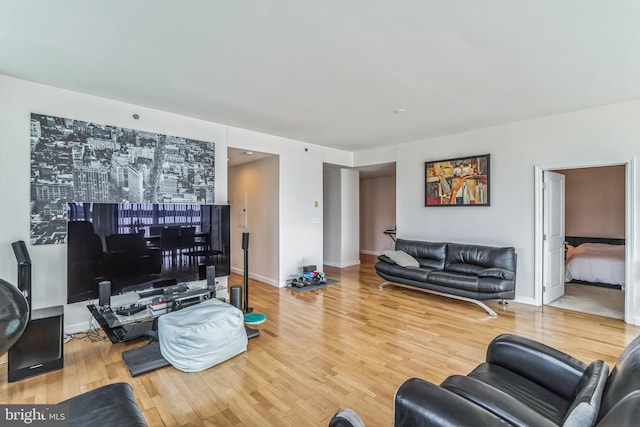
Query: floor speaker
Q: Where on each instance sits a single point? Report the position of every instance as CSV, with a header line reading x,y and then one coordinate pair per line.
x,y
40,348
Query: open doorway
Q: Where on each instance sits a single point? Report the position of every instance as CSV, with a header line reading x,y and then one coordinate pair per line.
x,y
253,192
377,208
594,263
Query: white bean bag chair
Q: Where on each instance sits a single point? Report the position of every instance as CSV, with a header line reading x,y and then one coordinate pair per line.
x,y
202,335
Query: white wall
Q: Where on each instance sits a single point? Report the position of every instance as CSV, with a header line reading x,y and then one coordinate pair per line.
x,y
300,181
259,180
377,213
605,135
332,193
341,216
300,187
350,217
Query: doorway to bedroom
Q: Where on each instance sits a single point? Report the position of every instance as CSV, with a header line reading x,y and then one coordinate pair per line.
x,y
592,269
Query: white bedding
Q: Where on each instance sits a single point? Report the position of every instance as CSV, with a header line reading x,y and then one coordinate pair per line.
x,y
595,262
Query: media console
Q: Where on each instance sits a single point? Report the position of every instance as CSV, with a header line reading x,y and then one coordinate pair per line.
x,y
154,303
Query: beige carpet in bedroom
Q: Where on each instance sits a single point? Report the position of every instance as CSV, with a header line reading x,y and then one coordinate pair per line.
x,y
592,299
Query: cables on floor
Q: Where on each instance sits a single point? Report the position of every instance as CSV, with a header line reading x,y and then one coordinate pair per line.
x,y
93,334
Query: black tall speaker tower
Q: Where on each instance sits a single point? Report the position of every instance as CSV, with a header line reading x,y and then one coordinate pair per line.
x,y
24,270
245,249
40,348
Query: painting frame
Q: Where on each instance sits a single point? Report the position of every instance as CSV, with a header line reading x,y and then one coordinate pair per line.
x,y
459,181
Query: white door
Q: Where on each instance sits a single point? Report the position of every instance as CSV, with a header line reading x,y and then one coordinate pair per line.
x,y
553,239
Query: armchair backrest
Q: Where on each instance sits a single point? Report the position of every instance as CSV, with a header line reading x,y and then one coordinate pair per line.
x,y
623,379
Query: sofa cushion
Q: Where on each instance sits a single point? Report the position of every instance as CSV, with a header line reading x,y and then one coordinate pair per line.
x,y
466,282
411,273
401,258
498,273
461,267
484,256
537,397
495,401
585,406
428,254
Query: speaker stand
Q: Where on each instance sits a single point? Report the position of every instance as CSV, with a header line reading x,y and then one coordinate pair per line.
x,y
246,308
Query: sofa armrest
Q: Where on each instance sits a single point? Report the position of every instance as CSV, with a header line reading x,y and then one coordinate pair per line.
x,y
419,404
385,258
551,368
110,405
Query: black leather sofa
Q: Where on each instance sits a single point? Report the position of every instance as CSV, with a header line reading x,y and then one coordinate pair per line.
x,y
524,383
109,406
467,272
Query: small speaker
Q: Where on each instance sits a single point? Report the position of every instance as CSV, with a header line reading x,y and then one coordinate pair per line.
x,y
235,296
211,275
104,294
245,241
211,278
308,268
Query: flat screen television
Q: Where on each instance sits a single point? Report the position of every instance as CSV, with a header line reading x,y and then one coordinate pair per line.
x,y
137,246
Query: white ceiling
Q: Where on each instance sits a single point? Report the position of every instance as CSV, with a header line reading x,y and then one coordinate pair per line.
x,y
332,72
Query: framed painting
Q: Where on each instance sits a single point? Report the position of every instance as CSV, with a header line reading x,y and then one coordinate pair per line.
x,y
463,181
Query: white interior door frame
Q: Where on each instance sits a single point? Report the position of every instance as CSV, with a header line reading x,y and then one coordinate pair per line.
x,y
631,290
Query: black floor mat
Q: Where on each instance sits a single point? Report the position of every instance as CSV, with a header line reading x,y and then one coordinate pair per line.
x,y
144,359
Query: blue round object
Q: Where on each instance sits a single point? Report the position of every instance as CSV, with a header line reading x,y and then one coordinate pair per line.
x,y
254,318
14,315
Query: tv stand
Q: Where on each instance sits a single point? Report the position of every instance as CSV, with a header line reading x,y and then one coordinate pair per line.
x,y
121,328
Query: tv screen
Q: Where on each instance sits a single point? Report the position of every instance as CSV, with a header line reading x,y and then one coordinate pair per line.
x,y
142,245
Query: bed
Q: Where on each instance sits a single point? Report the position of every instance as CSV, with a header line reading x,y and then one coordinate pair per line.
x,y
595,261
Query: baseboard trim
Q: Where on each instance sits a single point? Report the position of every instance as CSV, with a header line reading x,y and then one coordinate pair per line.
x,y
525,300
263,279
343,264
376,253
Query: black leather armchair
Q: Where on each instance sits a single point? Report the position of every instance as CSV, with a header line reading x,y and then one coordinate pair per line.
x,y
111,405
526,383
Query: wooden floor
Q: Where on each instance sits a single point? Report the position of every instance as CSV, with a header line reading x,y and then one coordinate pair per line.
x,y
347,345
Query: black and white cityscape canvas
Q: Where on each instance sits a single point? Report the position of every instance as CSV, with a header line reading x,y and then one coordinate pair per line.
x,y
77,161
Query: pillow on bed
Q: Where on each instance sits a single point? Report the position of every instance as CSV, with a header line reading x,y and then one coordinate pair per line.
x,y
403,259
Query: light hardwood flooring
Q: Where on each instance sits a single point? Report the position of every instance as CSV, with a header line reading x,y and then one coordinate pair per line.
x,y
347,345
